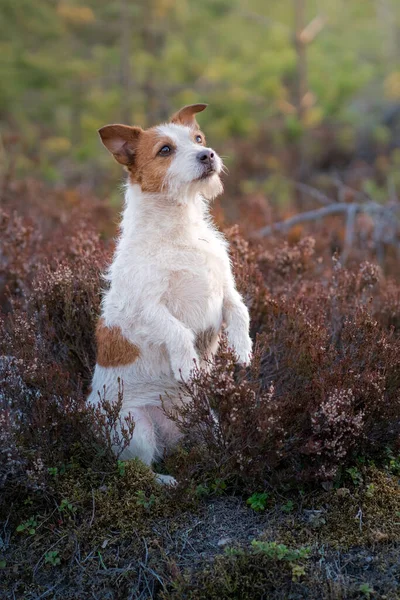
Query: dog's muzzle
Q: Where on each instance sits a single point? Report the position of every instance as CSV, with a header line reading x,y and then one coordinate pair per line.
x,y
207,160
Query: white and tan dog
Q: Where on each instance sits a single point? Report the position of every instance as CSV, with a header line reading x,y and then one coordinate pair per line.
x,y
171,286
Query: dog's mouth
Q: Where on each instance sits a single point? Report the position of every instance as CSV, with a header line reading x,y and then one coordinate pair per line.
x,y
206,173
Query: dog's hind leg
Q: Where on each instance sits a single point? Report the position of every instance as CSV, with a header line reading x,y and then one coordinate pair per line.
x,y
143,444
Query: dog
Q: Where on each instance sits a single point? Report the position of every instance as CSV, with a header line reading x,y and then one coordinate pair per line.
x,y
171,288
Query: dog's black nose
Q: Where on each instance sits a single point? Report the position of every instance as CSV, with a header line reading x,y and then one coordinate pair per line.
x,y
206,157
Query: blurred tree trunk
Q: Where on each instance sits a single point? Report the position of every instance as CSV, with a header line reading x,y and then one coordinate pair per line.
x,y
301,81
304,34
125,62
154,39
301,52
76,113
387,17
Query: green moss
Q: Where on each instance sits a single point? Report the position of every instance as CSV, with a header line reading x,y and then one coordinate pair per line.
x,y
129,499
245,576
350,516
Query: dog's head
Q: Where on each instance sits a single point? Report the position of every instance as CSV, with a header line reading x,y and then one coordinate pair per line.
x,y
172,158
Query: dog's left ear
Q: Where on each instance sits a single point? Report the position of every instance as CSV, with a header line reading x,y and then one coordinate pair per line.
x,y
186,116
122,141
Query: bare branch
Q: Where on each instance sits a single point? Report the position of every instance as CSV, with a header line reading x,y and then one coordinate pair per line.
x,y
333,209
343,188
311,215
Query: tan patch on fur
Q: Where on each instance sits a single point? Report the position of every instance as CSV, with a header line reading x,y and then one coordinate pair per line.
x,y
149,169
113,349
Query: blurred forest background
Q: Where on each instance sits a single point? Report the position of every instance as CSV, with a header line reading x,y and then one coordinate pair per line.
x,y
304,95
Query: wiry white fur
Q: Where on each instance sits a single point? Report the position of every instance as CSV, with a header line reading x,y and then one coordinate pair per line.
x,y
170,280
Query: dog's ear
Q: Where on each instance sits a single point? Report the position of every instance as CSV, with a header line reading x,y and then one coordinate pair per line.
x,y
186,116
122,141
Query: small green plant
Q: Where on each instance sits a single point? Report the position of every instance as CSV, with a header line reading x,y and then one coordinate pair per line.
x,y
218,487
370,490
56,471
67,507
297,572
277,551
3,563
52,558
201,491
355,475
258,501
393,462
101,560
142,500
288,507
281,552
121,468
28,526
366,589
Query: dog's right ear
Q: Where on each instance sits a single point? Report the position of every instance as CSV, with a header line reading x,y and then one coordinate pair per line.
x,y
122,141
187,115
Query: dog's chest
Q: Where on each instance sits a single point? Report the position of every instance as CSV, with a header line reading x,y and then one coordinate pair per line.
x,y
196,282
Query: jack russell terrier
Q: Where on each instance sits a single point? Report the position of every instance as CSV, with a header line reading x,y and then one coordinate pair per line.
x,y
171,288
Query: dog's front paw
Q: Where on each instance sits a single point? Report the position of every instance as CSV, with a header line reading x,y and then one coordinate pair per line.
x,y
244,358
243,346
245,355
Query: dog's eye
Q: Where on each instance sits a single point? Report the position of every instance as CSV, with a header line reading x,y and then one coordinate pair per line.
x,y
165,150
198,139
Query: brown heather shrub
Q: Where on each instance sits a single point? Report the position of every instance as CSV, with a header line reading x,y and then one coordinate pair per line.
x,y
17,255
47,354
324,386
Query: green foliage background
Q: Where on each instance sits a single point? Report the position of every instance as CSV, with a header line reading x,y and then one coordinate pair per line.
x,y
68,67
